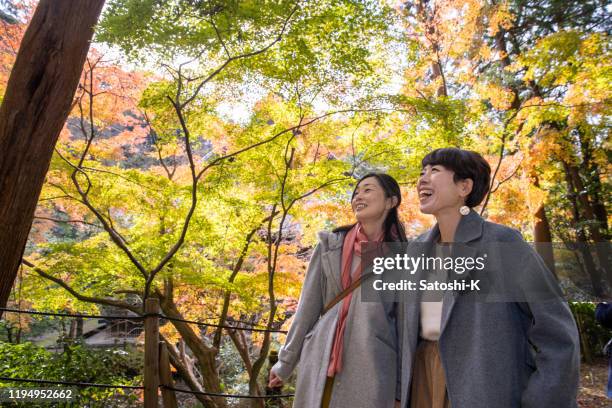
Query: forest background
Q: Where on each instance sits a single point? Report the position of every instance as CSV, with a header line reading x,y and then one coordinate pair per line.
x,y
208,142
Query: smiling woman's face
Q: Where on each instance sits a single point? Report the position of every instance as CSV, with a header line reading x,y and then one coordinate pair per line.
x,y
439,192
369,201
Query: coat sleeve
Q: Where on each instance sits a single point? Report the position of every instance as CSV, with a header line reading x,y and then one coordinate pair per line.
x,y
310,307
603,314
552,333
399,315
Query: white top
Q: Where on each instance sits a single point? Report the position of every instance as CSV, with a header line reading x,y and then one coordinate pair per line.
x,y
431,319
431,312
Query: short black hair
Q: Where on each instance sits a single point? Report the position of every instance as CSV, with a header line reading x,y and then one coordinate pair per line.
x,y
466,164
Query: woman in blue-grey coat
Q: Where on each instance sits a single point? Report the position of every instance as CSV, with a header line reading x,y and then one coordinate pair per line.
x,y
518,349
603,314
347,356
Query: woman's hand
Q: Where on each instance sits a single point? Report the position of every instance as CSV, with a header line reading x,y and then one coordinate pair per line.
x,y
397,404
274,381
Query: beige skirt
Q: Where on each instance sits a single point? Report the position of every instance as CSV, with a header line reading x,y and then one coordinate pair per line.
x,y
428,380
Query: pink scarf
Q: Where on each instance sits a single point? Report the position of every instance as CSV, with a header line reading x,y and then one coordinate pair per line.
x,y
355,237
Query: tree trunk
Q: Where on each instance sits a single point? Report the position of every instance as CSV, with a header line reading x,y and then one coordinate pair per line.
x,y
542,235
543,238
587,258
591,173
72,330
599,208
437,71
79,327
186,373
36,104
593,226
204,354
594,191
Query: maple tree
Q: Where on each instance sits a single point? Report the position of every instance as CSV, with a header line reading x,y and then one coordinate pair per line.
x,y
491,76
165,228
201,177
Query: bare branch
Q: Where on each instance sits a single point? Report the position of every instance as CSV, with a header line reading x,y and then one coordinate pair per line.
x,y
277,135
169,173
79,296
242,56
184,372
242,350
75,171
499,183
121,176
235,270
67,221
212,22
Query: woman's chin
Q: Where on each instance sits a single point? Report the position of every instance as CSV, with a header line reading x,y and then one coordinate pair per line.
x,y
364,216
361,217
425,209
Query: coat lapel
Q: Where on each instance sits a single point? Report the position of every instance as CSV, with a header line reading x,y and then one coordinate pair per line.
x,y
468,230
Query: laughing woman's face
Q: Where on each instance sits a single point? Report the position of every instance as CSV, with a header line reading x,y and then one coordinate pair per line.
x,y
369,201
439,192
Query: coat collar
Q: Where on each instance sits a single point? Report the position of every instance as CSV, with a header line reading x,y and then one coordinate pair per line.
x,y
335,240
469,229
332,256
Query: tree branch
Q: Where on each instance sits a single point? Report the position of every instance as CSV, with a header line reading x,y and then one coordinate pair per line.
x,y
66,221
242,56
79,296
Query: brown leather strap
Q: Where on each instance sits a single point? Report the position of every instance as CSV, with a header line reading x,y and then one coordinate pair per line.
x,y
345,292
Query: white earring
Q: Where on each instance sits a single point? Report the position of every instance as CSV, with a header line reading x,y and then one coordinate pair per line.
x,y
464,210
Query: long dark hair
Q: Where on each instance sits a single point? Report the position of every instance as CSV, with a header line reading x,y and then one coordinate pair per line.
x,y
392,227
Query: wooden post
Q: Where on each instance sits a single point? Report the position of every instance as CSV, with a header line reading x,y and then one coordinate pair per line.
x,y
151,358
165,377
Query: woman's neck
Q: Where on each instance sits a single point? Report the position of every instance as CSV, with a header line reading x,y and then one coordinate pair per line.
x,y
372,229
447,223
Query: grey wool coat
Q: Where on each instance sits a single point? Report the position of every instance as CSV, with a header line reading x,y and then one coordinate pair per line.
x,y
369,374
499,354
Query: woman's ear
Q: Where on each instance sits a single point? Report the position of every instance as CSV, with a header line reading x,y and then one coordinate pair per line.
x,y
465,187
394,200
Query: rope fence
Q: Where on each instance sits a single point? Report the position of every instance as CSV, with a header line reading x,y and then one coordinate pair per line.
x,y
153,370
140,387
213,394
74,383
142,317
85,316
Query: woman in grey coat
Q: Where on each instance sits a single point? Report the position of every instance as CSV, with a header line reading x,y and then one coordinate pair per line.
x,y
520,348
347,356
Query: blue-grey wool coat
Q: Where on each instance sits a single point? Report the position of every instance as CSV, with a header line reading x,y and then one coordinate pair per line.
x,y
369,374
498,354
